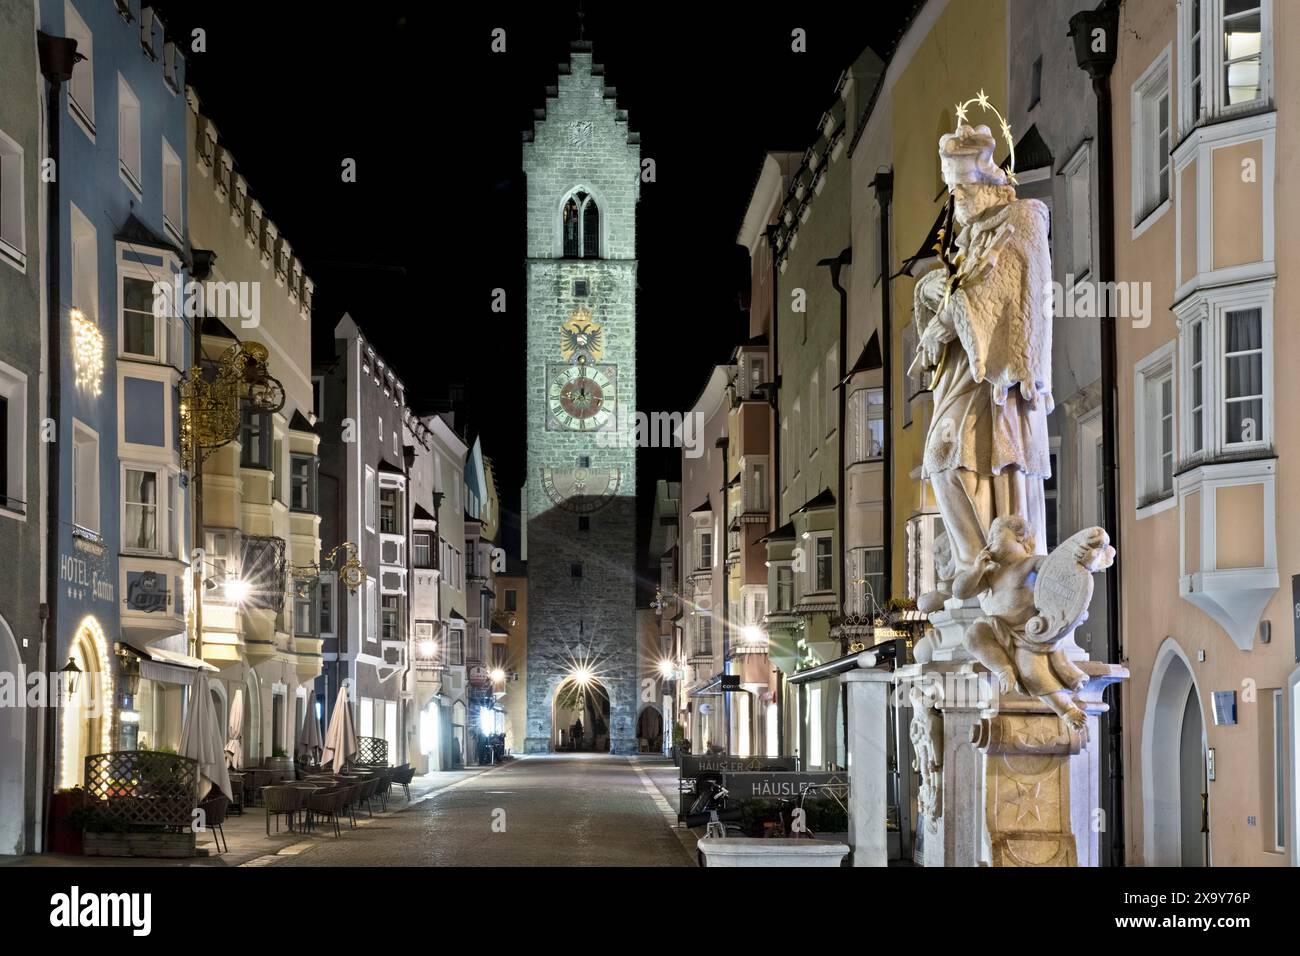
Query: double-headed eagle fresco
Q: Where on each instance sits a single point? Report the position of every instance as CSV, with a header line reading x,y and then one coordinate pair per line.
x,y
580,337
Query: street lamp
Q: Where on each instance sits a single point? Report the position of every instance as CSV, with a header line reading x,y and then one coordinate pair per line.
x,y
69,676
237,590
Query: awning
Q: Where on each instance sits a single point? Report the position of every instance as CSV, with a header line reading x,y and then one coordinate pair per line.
x,y
710,688
170,667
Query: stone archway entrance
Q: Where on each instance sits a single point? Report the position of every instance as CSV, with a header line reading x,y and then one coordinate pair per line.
x,y
650,730
580,716
1174,781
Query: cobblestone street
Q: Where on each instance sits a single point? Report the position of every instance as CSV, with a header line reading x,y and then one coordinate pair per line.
x,y
560,810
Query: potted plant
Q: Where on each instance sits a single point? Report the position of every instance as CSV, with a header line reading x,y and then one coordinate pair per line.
x,y
679,734
280,760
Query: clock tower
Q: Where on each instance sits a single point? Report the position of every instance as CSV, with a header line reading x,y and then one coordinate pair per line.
x,y
583,169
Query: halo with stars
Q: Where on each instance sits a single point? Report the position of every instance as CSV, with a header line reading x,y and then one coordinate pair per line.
x,y
981,100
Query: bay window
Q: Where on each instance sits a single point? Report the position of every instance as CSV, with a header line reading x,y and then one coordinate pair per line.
x,y
140,529
1225,58
421,549
255,438
302,483
1227,389
304,609
372,610
823,564
390,616
784,588
139,330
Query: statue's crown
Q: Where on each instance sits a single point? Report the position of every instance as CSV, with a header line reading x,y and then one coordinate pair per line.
x,y
966,156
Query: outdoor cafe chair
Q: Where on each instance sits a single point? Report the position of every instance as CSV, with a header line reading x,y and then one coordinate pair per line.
x,y
236,794
282,801
403,777
326,803
353,797
367,794
214,815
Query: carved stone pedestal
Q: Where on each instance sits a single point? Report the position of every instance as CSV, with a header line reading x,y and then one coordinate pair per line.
x,y
1017,786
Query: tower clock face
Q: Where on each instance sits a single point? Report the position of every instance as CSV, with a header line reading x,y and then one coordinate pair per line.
x,y
581,397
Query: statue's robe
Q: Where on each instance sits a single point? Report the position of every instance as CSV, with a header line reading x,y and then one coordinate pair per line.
x,y
987,450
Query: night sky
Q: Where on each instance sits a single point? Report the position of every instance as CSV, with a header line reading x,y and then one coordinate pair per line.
x,y
435,221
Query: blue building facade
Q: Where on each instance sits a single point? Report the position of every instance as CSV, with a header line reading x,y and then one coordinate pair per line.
x,y
123,537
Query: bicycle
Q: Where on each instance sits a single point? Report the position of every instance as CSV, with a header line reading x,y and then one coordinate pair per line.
x,y
710,811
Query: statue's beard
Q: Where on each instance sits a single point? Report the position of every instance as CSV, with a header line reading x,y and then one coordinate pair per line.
x,y
968,208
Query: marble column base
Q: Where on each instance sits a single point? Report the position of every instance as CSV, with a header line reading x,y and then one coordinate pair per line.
x,y
1018,786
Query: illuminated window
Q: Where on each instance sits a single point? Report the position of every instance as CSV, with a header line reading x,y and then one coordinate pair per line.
x,y
1225,58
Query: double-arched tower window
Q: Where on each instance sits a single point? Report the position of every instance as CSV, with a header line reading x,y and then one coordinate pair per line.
x,y
580,226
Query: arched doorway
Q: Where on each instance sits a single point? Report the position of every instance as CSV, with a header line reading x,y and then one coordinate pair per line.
x,y
1175,814
88,714
459,717
13,731
650,730
580,716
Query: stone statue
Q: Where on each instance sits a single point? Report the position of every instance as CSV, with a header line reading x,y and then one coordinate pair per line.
x,y
945,569
1031,605
985,338
926,734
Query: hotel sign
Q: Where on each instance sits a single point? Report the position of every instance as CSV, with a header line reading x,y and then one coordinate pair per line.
x,y
84,580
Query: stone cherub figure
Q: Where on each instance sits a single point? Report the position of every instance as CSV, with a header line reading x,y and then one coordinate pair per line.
x,y
1031,604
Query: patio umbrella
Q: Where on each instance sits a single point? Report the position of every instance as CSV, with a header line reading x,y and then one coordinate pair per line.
x,y
235,731
341,736
201,738
309,736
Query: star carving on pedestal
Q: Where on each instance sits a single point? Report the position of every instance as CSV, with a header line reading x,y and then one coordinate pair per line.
x,y
1026,800
1039,732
